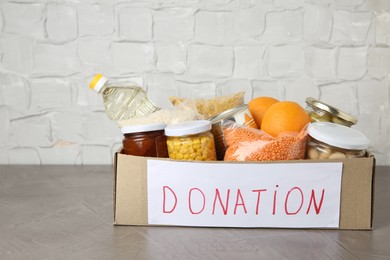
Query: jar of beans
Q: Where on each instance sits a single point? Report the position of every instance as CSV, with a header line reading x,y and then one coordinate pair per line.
x,y
333,141
145,140
191,140
322,112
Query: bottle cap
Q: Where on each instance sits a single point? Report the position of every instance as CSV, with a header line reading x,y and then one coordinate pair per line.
x,y
188,128
142,128
338,135
97,82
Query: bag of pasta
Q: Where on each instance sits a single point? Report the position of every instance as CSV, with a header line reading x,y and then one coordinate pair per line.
x,y
249,144
207,108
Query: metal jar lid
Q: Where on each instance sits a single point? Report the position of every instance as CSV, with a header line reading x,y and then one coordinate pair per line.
x,y
229,114
330,109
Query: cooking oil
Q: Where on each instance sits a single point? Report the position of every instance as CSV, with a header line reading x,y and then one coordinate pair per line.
x,y
122,100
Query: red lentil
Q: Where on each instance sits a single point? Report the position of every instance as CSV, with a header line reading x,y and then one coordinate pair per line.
x,y
247,144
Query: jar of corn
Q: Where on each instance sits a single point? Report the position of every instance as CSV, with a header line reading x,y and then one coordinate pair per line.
x,y
191,140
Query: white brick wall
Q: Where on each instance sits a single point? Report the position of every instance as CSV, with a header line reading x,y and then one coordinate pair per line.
x,y
338,51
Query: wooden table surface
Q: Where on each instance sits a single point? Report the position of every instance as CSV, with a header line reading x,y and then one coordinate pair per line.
x,y
66,212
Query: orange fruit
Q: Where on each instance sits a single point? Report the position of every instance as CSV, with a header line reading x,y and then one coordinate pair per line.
x,y
284,116
258,106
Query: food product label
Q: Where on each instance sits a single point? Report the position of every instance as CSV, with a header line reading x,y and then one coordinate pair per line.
x,y
281,195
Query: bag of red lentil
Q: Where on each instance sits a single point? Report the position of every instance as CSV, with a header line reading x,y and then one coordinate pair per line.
x,y
249,144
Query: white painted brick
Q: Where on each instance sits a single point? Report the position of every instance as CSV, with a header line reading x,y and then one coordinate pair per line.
x,y
50,93
284,61
56,60
377,5
24,156
98,129
210,60
382,23
346,96
1,19
95,52
373,96
14,92
351,63
249,22
17,53
370,126
5,125
350,4
196,89
160,87
234,86
248,62
320,2
298,89
132,57
289,3
34,131
66,128
3,156
61,153
61,23
320,62
350,26
317,23
268,88
96,19
32,23
96,154
214,27
378,62
171,57
174,24
135,23
284,26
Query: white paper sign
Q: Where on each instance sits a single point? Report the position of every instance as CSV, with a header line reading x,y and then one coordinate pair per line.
x,y
292,195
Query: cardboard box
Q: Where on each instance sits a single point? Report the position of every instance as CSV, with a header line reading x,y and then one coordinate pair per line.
x,y
296,207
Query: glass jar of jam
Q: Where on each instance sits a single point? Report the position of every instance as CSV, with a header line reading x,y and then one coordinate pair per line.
x,y
333,141
321,112
145,140
191,140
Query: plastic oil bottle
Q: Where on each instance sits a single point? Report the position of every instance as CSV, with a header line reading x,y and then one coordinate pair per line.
x,y
122,100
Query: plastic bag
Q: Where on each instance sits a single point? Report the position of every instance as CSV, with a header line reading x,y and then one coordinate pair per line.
x,y
208,108
249,144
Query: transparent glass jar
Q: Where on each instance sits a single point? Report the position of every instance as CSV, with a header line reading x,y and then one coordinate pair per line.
x,y
321,112
145,140
333,141
191,140
240,115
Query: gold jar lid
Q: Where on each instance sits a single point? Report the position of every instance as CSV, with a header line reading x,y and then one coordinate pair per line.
x,y
330,109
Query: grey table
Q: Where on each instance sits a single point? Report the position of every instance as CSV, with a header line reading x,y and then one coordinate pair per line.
x,y
66,212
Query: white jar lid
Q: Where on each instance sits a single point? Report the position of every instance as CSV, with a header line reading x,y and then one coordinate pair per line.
x,y
188,128
338,135
142,128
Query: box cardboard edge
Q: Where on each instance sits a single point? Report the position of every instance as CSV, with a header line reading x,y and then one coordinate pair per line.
x,y
356,222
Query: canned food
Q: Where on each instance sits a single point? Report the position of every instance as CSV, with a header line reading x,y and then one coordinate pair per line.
x,y
191,140
240,115
145,140
321,112
333,141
